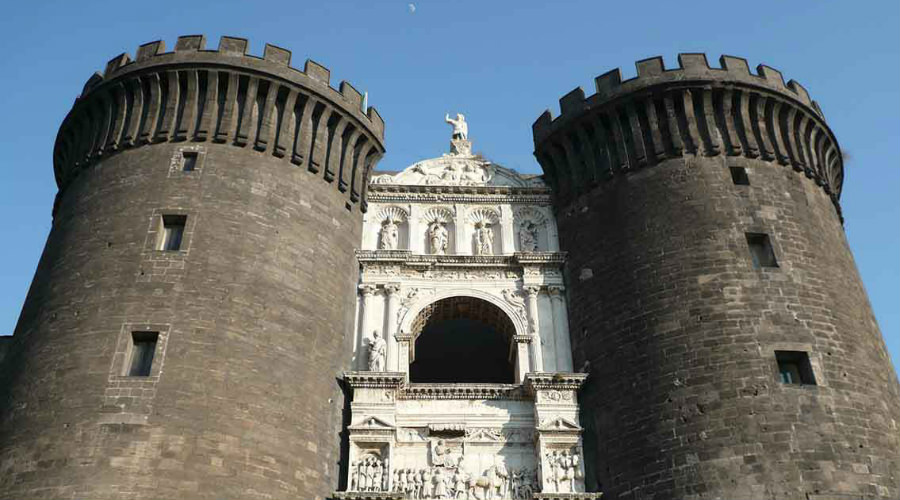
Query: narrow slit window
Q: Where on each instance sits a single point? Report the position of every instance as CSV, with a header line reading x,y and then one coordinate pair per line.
x,y
189,161
739,176
794,368
172,232
761,250
143,347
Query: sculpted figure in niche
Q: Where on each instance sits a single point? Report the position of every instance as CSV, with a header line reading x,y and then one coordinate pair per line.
x,y
377,349
439,237
528,236
460,127
367,474
390,235
484,239
564,470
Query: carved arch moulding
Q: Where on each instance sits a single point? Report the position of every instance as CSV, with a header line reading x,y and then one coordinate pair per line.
x,y
484,215
530,214
393,212
438,214
409,316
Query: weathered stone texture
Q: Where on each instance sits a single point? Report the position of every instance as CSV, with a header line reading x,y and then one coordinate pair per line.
x,y
680,330
255,320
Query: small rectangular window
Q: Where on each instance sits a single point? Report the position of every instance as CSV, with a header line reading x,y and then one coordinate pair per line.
x,y
794,368
142,349
188,161
172,232
761,250
739,176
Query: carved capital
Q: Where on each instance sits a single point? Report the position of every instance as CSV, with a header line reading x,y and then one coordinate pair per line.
x,y
556,291
367,290
392,289
403,337
532,291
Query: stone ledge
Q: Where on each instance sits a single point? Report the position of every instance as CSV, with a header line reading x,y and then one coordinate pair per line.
x,y
375,380
368,495
566,496
464,391
557,381
408,258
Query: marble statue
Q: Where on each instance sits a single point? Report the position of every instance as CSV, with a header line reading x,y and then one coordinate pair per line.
x,y
390,235
564,470
443,456
459,484
367,475
484,240
427,486
439,480
475,174
528,237
460,127
377,349
439,237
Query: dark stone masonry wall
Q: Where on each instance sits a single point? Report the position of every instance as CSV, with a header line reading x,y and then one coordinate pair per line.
x,y
680,329
254,316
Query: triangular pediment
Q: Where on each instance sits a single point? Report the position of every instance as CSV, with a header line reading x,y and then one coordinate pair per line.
x,y
372,423
559,424
458,170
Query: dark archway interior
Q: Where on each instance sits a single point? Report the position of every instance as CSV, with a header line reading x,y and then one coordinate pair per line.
x,y
462,340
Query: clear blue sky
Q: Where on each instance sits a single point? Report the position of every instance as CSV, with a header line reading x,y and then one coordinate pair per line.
x,y
500,63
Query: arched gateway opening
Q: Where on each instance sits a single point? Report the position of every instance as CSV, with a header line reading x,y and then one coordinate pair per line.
x,y
462,340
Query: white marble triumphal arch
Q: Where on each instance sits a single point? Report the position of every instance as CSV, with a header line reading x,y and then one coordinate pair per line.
x,y
463,385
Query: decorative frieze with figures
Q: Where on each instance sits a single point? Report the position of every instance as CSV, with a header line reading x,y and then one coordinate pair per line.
x,y
460,238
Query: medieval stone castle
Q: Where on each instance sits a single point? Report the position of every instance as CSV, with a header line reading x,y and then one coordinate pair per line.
x,y
230,303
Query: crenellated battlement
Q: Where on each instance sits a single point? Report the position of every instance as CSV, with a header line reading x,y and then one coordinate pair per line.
x,y
690,110
192,48
692,68
226,96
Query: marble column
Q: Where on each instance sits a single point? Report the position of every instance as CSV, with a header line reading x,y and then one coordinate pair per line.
x,y
531,294
416,234
403,340
523,356
463,237
364,326
561,329
507,231
392,291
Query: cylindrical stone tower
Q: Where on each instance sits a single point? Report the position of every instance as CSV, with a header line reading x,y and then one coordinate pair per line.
x,y
733,350
195,298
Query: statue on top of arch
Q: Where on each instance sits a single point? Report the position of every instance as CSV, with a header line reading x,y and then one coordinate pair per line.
x,y
458,168
459,139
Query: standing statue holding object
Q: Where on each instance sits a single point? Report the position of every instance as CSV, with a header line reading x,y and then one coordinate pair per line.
x,y
484,240
460,127
438,236
390,235
377,349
